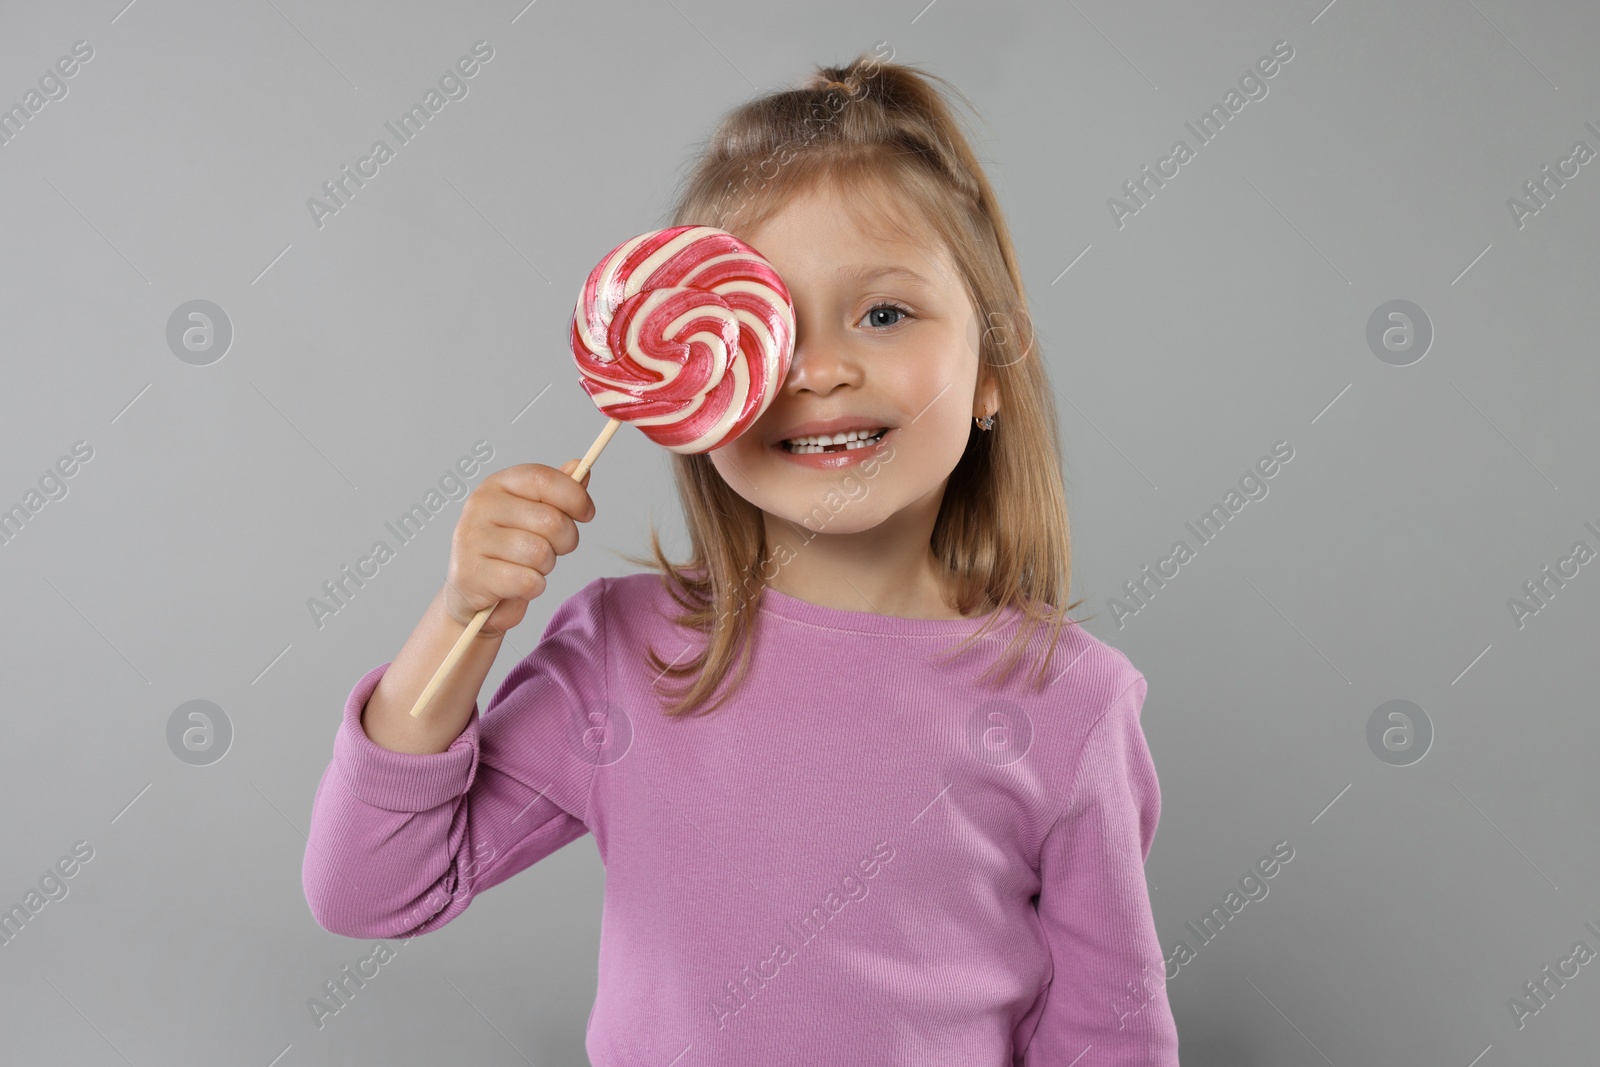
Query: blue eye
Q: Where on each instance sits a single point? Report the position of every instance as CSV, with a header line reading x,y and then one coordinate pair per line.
x,y
903,313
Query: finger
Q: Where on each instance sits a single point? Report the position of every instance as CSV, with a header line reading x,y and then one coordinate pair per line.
x,y
516,546
587,512
508,581
505,615
571,465
533,516
535,481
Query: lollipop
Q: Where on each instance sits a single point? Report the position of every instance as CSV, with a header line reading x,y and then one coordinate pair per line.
x,y
687,333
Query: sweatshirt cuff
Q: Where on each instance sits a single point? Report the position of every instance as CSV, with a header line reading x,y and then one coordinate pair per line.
x,y
400,781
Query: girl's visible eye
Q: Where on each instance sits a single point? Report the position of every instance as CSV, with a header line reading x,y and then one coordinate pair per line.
x,y
886,306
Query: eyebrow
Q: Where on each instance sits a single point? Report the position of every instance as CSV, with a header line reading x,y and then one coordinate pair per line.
x,y
866,273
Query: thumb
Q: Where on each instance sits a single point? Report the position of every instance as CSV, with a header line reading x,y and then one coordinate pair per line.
x,y
571,465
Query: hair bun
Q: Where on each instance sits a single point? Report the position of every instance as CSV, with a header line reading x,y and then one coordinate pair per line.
x,y
848,79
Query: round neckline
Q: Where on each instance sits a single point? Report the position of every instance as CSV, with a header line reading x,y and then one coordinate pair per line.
x,y
869,622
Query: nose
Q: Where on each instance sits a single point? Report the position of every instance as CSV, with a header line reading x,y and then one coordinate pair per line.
x,y
821,364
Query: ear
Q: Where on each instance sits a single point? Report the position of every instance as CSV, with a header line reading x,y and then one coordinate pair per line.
x,y
987,395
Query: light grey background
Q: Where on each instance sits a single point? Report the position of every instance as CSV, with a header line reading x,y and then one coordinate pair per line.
x,y
369,354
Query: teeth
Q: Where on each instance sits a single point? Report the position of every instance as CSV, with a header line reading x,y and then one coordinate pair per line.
x,y
852,440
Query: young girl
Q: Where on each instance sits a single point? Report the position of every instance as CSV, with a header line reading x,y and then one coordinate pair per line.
x,y
872,840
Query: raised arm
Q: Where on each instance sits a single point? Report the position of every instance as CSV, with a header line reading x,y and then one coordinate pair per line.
x,y
415,813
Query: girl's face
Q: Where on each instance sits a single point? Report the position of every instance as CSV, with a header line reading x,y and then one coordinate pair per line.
x,y
886,338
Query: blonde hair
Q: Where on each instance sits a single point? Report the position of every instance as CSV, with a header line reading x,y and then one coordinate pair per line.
x,y
1002,527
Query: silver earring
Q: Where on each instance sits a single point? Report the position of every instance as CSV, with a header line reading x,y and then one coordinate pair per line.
x,y
986,422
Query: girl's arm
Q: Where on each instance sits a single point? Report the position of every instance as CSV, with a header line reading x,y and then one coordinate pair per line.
x,y
512,528
400,842
1109,988
387,718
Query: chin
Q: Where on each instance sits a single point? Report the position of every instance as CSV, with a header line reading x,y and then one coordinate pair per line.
x,y
837,514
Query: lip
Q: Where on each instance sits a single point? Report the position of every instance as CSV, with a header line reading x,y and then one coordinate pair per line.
x,y
834,460
842,424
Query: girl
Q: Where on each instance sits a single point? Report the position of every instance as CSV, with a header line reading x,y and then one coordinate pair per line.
x,y
852,846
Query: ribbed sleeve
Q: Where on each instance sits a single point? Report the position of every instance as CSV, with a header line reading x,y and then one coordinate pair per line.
x,y
1106,1005
401,842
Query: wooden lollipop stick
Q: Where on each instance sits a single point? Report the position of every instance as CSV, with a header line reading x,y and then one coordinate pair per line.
x,y
460,647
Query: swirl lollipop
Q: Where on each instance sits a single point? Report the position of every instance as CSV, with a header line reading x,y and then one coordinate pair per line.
x,y
685,332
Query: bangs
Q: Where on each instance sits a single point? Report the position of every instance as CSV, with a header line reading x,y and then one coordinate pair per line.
x,y
889,197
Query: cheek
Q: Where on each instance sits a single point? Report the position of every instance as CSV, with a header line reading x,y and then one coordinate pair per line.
x,y
937,392
723,459
943,362
735,462
940,439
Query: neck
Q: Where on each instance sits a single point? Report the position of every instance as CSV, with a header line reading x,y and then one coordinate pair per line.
x,y
889,569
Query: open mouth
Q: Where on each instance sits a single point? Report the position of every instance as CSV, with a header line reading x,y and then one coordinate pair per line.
x,y
838,442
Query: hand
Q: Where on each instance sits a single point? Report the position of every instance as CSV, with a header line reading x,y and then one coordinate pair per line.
x,y
512,528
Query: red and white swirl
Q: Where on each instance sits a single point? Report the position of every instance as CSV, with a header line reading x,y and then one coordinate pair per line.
x,y
687,333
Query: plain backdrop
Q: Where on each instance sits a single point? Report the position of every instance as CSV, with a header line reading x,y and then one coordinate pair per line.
x,y
373,347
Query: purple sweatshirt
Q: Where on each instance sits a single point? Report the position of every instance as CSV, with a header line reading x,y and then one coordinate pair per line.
x,y
864,857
